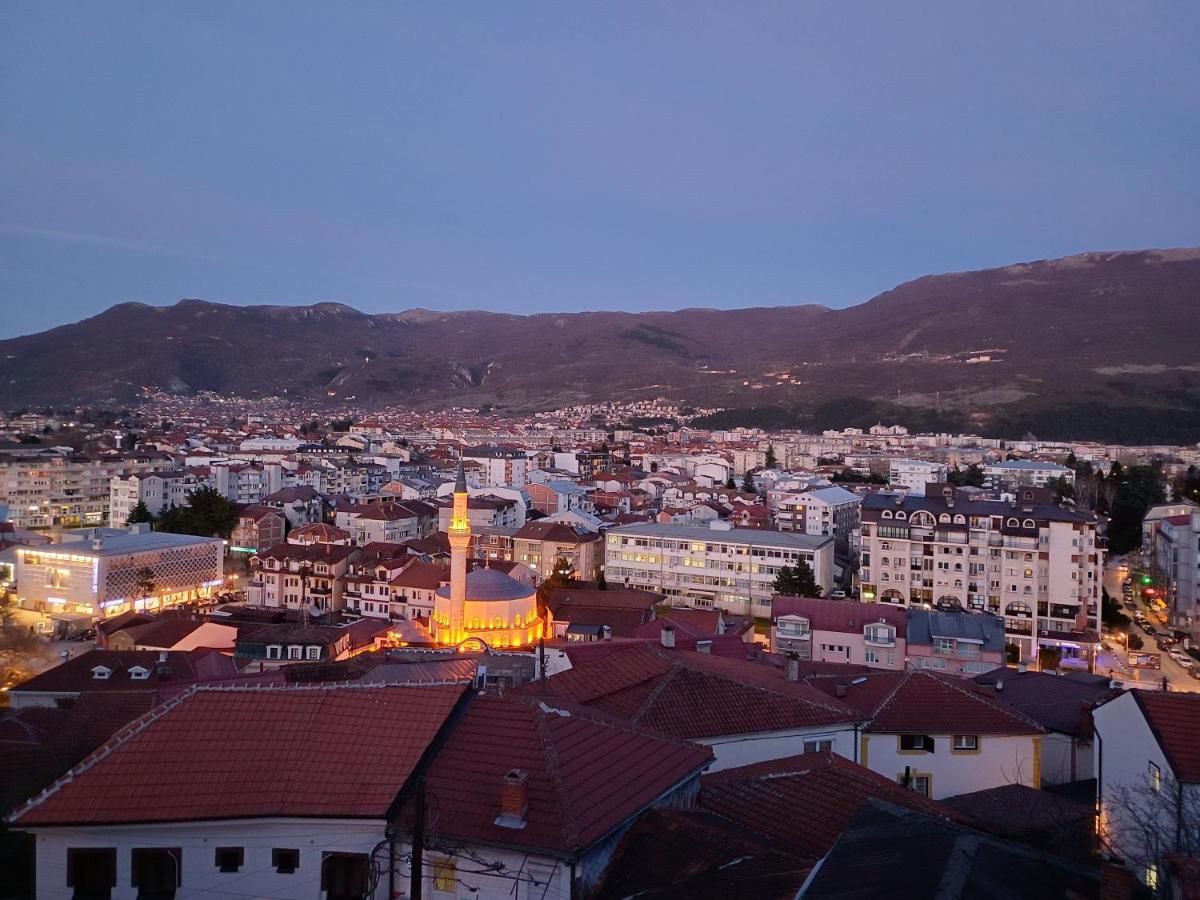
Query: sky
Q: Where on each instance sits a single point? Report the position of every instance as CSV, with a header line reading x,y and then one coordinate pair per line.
x,y
535,157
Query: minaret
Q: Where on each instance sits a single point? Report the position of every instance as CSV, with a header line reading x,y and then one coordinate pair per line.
x,y
460,539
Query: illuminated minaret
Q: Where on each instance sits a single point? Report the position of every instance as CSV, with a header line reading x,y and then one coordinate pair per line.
x,y
460,539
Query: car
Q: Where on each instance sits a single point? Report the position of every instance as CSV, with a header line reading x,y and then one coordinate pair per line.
x,y
837,595
1129,604
1149,629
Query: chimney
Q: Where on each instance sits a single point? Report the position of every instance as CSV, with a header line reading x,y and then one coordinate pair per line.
x,y
704,646
841,690
999,684
514,799
162,656
793,667
605,633
667,636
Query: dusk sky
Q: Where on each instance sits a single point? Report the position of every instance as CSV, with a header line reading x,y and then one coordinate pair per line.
x,y
527,157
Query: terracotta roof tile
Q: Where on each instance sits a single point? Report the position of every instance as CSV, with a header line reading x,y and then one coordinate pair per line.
x,y
1175,719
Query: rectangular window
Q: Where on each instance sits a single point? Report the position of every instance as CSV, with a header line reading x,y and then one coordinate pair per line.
x,y
285,861
345,876
314,652
295,652
1155,775
274,652
823,745
966,742
92,872
445,875
229,859
919,783
916,743
871,657
156,872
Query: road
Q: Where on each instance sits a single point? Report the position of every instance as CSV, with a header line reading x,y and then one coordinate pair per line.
x,y
1179,679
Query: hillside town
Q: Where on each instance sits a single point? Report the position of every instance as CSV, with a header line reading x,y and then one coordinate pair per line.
x,y
595,652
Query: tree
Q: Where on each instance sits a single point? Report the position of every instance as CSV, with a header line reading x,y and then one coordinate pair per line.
x,y
1111,614
653,465
1150,821
20,648
139,513
748,485
971,476
601,582
1063,489
145,582
797,582
561,575
1049,658
1135,641
771,461
730,483
1012,653
207,514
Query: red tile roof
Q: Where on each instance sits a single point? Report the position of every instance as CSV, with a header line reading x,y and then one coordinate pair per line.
x,y
695,695
75,675
221,754
847,616
1175,720
804,802
586,775
921,702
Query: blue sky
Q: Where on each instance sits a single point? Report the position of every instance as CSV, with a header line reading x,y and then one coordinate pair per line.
x,y
530,157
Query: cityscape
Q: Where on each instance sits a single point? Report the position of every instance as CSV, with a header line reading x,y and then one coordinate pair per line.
x,y
530,573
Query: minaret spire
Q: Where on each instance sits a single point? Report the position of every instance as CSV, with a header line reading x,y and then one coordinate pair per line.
x,y
459,534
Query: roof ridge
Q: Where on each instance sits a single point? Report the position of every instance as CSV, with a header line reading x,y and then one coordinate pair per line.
x,y
570,828
988,700
122,736
664,681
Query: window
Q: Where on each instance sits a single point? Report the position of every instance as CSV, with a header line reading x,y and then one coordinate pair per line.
x,y
139,673
944,646
229,859
92,871
101,673
966,742
345,876
156,872
821,745
274,652
1152,876
285,861
1155,776
871,656
295,652
313,652
445,875
919,783
916,743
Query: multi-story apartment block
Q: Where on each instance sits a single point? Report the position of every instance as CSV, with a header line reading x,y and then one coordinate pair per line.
x,y
540,544
295,576
718,566
500,466
1171,543
56,488
158,490
388,522
1038,565
833,512
1032,472
914,474
100,573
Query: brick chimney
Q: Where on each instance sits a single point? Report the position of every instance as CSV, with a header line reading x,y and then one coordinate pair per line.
x,y
514,799
667,636
793,667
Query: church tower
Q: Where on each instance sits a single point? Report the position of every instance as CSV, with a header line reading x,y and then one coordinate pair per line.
x,y
459,533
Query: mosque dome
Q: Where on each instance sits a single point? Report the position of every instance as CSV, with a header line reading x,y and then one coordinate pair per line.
x,y
490,584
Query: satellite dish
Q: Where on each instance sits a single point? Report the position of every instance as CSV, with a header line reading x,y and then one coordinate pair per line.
x,y
315,611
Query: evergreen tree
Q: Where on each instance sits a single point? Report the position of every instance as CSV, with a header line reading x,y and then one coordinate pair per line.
x,y
730,483
139,513
748,485
771,461
208,514
797,582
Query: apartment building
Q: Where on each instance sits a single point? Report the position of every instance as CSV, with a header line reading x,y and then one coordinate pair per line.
x,y
833,512
158,490
1022,472
717,566
53,487
914,474
1171,544
541,544
500,466
295,576
1038,565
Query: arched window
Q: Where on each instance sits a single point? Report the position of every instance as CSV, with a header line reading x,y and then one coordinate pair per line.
x,y
1029,523
1013,523
922,519
948,601
892,596
1018,608
883,576
960,519
886,514
883,560
517,620
944,518
497,622
901,515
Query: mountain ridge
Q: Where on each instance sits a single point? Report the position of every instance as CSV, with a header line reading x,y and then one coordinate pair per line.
x,y
1110,327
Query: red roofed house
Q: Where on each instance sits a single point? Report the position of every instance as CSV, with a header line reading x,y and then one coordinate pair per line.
x,y
871,634
745,711
938,733
1147,762
257,526
214,795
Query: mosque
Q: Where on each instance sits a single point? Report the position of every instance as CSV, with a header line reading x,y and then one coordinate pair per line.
x,y
483,604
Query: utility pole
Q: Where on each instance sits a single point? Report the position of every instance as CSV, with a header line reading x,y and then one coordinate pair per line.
x,y
418,843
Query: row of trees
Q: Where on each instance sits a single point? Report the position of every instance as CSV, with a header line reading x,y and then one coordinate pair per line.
x,y
208,514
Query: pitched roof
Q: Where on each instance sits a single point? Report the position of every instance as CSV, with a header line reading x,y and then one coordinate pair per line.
x,y
586,775
923,702
766,797
165,632
1175,720
424,576
1059,703
1015,810
694,695
847,616
77,675
222,754
889,852
557,532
